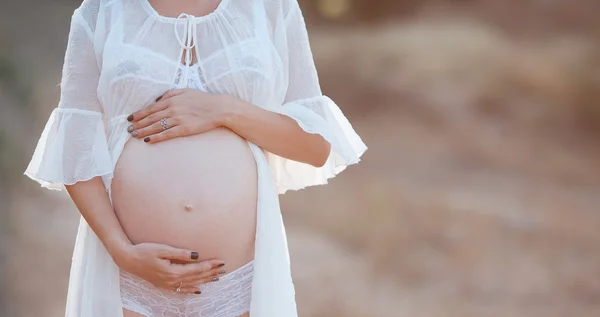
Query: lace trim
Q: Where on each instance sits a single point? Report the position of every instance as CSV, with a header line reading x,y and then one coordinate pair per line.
x,y
195,79
229,297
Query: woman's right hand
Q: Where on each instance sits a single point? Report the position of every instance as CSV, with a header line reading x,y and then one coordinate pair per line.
x,y
170,268
162,265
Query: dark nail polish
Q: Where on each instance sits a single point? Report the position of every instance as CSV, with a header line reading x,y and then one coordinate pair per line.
x,y
194,256
146,139
215,279
157,99
130,128
130,118
222,271
221,264
134,134
197,292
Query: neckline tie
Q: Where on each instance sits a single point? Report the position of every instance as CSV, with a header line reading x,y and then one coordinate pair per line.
x,y
187,42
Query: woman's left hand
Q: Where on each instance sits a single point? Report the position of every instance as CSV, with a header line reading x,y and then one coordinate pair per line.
x,y
177,113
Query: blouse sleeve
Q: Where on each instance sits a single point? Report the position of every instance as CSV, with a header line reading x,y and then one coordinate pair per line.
x,y
314,113
73,145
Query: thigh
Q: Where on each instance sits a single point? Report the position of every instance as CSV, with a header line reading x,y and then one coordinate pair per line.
x,y
129,313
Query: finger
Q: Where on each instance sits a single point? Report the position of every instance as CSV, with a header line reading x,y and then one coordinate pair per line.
x,y
144,112
152,118
182,255
155,128
195,279
189,290
198,282
196,269
172,93
171,133
207,280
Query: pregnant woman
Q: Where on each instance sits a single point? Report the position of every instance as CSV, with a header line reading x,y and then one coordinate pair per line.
x,y
179,123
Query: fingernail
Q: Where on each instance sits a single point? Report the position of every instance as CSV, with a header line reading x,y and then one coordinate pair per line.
x,y
194,256
221,264
197,292
214,279
157,99
146,139
134,134
130,118
222,271
130,128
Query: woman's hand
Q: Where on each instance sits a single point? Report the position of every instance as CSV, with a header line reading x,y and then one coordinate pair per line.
x,y
183,112
170,268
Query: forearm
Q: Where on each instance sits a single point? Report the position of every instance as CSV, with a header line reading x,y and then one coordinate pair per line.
x,y
93,203
275,133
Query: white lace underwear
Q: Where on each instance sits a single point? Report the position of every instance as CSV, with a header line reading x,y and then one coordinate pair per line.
x,y
228,297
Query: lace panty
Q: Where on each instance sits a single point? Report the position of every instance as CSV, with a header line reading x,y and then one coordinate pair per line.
x,y
228,297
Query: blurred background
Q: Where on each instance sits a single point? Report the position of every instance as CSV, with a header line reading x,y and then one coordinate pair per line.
x,y
478,195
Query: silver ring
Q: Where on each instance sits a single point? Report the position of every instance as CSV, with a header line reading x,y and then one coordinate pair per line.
x,y
163,124
179,287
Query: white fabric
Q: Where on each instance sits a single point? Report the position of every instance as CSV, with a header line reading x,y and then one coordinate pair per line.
x,y
122,55
69,132
322,116
189,77
228,297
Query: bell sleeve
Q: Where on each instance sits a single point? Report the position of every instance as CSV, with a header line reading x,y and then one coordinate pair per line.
x,y
73,145
314,113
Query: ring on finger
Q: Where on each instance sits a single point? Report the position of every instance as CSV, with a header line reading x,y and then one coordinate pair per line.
x,y
178,290
164,124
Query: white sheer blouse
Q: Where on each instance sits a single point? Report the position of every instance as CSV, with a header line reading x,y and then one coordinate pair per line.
x,y
121,55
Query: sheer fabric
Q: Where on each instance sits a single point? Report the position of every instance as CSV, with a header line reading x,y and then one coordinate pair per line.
x,y
73,145
315,113
121,55
228,297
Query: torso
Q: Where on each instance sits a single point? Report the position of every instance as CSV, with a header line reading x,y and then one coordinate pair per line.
x,y
197,192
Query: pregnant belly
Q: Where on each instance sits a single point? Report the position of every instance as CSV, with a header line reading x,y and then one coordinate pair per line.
x,y
197,192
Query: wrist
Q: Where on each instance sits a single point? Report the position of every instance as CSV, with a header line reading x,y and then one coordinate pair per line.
x,y
120,250
230,106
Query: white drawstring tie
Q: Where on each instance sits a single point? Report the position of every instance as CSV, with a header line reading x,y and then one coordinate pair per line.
x,y
187,42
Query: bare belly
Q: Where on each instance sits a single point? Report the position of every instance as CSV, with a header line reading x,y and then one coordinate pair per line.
x,y
197,192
